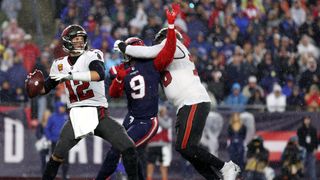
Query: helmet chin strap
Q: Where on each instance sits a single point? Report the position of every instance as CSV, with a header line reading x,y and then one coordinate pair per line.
x,y
77,52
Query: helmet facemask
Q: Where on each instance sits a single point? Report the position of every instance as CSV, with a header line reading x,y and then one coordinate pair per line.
x,y
162,34
69,34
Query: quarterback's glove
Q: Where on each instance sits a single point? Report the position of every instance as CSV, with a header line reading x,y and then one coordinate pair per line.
x,y
172,15
59,77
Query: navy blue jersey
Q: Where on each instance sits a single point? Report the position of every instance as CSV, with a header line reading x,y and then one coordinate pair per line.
x,y
141,86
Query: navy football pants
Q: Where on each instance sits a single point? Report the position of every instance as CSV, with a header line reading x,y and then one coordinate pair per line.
x,y
140,131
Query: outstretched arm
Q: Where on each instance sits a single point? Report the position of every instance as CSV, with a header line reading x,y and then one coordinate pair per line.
x,y
144,52
165,56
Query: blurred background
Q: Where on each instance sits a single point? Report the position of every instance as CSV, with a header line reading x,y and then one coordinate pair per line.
x,y
257,58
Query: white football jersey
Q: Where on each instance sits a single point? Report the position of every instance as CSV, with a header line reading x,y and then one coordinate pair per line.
x,y
81,93
181,82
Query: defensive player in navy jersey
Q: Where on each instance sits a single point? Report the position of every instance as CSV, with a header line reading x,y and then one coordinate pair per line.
x,y
140,80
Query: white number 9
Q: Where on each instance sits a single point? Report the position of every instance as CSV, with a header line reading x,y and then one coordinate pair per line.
x,y
138,86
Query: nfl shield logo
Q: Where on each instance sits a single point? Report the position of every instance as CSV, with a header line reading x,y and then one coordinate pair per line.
x,y
60,67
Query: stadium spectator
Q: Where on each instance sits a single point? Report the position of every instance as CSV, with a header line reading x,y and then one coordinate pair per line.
x,y
252,86
288,27
70,14
276,101
310,76
235,68
295,101
159,147
236,100
292,160
216,86
312,99
212,130
6,92
17,73
306,46
29,53
256,102
236,135
140,19
257,160
298,13
249,65
149,31
308,26
112,60
97,9
121,25
308,139
268,72
288,87
13,31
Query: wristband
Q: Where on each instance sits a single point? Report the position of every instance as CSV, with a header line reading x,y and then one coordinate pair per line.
x,y
171,26
81,76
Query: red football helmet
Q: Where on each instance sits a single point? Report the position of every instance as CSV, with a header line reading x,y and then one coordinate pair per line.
x,y
134,41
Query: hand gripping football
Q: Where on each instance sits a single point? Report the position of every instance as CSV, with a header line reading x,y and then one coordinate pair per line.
x,y
34,83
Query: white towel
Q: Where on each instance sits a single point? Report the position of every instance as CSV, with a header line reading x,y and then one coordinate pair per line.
x,y
84,120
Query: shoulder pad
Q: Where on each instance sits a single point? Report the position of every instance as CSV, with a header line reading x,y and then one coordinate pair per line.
x,y
60,58
95,53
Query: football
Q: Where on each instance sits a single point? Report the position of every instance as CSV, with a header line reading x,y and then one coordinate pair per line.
x,y
34,83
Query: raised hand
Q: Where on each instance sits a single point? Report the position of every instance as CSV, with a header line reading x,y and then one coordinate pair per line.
x,y
172,15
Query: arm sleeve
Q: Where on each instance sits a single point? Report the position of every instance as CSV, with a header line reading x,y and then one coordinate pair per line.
x,y
143,51
98,66
116,88
50,84
165,56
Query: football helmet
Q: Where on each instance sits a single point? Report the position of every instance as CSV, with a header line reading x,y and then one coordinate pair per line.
x,y
162,34
133,41
71,32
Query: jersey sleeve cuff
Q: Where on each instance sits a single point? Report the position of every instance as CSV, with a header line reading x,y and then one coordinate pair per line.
x,y
171,26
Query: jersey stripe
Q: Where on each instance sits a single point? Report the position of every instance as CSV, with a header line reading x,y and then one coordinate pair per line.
x,y
189,126
150,134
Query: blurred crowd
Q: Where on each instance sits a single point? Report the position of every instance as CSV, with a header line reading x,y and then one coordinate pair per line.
x,y
251,54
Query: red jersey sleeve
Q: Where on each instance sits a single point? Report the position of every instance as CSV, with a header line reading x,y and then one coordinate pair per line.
x,y
165,56
116,88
